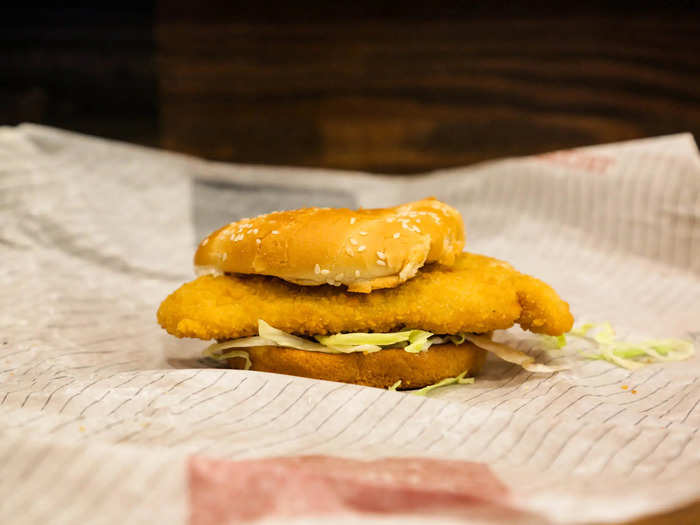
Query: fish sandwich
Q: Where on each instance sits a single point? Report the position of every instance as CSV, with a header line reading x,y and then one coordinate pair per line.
x,y
377,297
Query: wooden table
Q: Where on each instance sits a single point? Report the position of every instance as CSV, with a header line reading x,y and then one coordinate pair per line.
x,y
359,87
420,89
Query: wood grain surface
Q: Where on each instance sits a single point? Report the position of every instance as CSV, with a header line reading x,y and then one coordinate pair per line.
x,y
400,90
413,94
90,70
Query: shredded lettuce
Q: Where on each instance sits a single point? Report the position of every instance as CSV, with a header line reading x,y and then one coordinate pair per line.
x,y
361,338
216,348
215,352
554,341
460,379
631,356
419,341
395,386
627,355
582,329
457,339
510,354
413,341
367,349
280,338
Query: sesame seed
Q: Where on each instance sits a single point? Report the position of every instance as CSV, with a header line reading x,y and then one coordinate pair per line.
x,y
258,241
362,248
224,256
353,241
352,220
349,251
325,272
417,220
380,262
275,232
255,231
381,255
205,241
363,233
357,273
397,235
390,219
317,269
416,229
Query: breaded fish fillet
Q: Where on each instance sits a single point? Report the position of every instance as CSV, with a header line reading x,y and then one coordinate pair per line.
x,y
478,294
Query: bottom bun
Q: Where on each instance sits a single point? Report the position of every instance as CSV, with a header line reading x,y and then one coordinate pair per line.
x,y
379,369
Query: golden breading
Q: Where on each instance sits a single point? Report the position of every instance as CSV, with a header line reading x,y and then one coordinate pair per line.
x,y
378,369
478,294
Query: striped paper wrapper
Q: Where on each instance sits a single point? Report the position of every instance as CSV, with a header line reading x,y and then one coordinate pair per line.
x,y
104,418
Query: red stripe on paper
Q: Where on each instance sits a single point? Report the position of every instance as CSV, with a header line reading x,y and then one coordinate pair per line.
x,y
222,491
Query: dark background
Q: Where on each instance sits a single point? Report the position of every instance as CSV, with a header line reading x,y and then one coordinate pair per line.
x,y
399,90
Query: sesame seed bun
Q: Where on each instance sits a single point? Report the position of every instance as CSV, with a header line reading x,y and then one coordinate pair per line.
x,y
379,369
361,249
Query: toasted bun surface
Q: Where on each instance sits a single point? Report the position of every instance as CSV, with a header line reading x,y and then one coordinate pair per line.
x,y
379,369
361,249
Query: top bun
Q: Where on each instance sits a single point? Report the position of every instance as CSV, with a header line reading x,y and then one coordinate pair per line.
x,y
363,249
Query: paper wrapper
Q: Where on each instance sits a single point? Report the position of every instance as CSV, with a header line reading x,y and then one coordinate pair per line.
x,y
106,419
